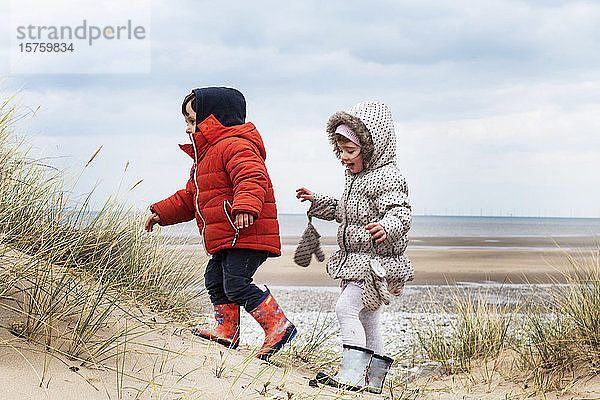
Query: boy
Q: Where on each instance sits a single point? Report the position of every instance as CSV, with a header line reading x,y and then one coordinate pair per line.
x,y
231,196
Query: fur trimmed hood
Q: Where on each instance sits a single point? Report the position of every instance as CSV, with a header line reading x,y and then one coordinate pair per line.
x,y
373,124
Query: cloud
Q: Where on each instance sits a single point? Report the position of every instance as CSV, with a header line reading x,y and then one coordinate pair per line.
x,y
546,158
493,101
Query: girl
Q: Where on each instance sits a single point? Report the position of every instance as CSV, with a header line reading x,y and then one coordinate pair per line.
x,y
374,216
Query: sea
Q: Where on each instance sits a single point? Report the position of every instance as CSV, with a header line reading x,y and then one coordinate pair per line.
x,y
444,226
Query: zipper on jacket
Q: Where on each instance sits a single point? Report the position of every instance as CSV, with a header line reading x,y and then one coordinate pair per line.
x,y
346,225
196,196
235,228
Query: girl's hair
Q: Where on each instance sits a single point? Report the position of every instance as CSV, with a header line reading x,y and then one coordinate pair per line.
x,y
190,97
341,138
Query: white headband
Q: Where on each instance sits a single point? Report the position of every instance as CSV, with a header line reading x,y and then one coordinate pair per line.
x,y
345,131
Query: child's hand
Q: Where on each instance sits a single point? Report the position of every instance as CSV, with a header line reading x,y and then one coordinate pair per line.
x,y
304,194
243,220
377,232
153,219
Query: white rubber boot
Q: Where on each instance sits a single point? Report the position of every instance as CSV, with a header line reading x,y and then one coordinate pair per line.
x,y
378,369
353,369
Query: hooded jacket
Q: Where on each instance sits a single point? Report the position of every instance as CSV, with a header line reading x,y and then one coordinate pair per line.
x,y
379,194
229,176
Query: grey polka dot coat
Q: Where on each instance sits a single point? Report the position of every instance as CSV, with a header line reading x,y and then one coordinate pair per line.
x,y
376,194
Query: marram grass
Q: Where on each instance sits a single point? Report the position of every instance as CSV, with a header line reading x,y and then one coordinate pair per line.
x,y
553,342
479,331
71,269
562,337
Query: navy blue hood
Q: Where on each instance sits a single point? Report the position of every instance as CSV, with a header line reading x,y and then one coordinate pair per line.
x,y
226,104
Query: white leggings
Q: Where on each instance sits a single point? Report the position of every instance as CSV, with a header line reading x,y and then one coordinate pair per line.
x,y
358,325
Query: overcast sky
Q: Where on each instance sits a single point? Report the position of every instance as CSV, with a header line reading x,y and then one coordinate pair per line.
x,y
496,103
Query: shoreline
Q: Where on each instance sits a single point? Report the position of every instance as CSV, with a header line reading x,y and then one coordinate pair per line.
x,y
440,260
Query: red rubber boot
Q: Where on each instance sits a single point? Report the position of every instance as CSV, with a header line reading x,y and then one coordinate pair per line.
x,y
278,329
227,331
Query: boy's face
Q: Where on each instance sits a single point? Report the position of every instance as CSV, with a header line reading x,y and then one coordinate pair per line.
x,y
190,119
351,156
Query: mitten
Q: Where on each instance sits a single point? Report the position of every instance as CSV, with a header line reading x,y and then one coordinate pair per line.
x,y
309,244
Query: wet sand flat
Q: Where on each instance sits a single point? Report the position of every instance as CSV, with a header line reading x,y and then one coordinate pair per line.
x,y
436,266
441,260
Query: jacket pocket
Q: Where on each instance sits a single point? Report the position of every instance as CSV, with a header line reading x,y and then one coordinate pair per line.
x,y
236,230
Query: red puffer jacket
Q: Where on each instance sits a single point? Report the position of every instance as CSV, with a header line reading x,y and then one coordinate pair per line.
x,y
229,176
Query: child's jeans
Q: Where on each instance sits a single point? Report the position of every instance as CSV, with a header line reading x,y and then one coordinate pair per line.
x,y
228,277
359,326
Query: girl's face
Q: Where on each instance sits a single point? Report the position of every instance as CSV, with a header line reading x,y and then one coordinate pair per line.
x,y
190,119
351,156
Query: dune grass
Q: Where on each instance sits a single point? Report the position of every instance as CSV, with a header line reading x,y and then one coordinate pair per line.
x,y
553,342
312,348
562,340
67,269
479,332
